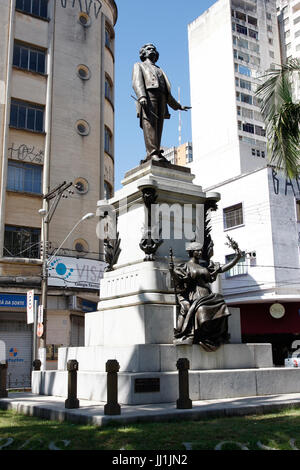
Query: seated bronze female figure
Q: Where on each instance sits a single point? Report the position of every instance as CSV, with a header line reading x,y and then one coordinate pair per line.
x,y
203,315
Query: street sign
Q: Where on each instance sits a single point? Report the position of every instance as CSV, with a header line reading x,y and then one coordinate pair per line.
x,y
30,306
40,313
40,330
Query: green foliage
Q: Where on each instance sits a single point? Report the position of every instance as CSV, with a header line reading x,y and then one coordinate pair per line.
x,y
282,116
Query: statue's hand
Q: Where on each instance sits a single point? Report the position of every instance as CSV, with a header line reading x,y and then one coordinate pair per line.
x,y
185,108
143,102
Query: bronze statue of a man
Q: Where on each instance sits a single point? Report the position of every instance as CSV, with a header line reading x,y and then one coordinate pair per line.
x,y
153,92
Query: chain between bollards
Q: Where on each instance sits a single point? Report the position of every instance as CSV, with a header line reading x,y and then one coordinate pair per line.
x,y
3,379
72,400
112,407
184,402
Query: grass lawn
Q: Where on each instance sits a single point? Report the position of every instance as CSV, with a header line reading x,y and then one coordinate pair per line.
x,y
279,431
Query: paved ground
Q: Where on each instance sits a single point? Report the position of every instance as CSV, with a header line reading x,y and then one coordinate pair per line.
x,y
50,407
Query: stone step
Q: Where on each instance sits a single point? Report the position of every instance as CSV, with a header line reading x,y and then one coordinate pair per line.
x,y
162,387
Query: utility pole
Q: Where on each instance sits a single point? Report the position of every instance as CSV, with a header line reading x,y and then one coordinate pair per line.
x,y
47,213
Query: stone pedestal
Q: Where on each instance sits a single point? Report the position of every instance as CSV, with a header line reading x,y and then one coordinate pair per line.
x,y
136,313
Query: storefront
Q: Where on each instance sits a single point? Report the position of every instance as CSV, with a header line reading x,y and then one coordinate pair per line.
x,y
276,323
17,337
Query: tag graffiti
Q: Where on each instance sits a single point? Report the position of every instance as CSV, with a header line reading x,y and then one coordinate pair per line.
x,y
85,6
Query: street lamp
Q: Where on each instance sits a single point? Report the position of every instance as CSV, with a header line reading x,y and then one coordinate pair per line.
x,y
44,283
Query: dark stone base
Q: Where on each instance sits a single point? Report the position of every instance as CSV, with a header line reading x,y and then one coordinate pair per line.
x,y
112,409
71,403
184,404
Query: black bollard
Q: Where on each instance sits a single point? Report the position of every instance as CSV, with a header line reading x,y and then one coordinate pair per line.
x,y
72,401
184,402
36,364
3,379
112,407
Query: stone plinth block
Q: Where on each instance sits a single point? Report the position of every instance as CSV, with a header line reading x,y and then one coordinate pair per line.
x,y
163,357
155,387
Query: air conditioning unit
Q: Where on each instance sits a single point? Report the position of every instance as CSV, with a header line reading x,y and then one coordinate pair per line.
x,y
75,303
251,254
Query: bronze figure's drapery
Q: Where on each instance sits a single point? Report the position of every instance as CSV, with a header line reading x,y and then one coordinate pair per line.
x,y
203,315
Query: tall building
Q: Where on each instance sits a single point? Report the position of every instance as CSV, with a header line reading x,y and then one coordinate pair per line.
x,y
231,45
56,128
181,155
288,12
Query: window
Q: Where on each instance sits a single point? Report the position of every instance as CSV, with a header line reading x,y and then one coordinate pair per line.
x,y
107,141
244,70
29,58
33,7
245,84
297,20
248,128
239,269
243,56
189,153
269,28
254,47
247,113
241,29
22,242
270,41
252,20
253,152
233,216
297,33
26,116
298,210
108,89
246,98
263,154
24,177
271,54
269,16
109,37
253,34
107,190
240,15
260,131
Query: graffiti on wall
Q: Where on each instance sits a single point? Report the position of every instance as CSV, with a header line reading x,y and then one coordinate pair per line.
x,y
85,6
288,184
25,153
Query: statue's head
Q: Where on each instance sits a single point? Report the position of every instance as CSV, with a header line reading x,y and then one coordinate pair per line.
x,y
147,50
194,249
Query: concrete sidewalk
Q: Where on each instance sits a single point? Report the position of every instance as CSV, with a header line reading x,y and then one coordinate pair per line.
x,y
53,408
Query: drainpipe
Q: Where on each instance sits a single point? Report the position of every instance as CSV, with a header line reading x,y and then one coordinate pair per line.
x,y
10,50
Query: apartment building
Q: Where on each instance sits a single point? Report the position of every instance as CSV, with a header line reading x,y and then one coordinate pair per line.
x,y
181,155
231,46
56,137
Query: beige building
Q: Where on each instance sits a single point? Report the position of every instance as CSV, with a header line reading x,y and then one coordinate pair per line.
x,y
181,155
56,126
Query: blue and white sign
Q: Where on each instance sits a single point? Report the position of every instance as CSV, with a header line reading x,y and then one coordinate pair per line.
x,y
72,272
14,300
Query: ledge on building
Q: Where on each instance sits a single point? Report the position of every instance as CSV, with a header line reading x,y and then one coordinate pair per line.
x,y
12,260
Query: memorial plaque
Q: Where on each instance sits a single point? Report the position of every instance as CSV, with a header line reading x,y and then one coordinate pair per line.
x,y
147,385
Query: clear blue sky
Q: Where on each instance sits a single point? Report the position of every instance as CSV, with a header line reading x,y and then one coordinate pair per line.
x,y
163,23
